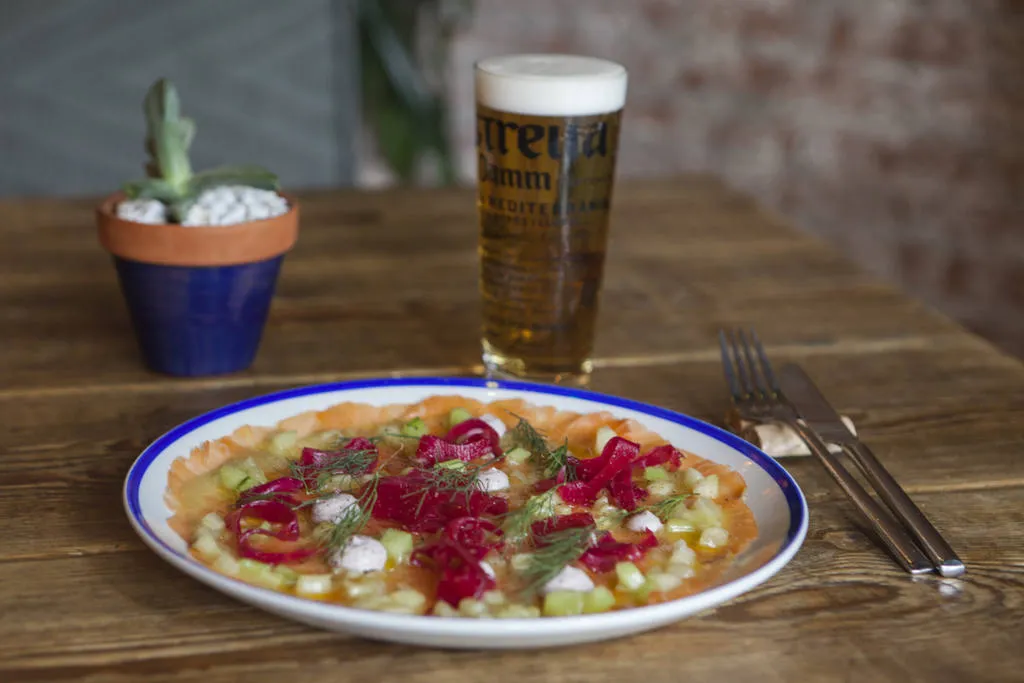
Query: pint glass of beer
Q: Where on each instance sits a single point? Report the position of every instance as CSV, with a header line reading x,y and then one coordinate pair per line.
x,y
547,129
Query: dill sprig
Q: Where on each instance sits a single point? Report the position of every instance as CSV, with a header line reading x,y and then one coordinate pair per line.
x,y
560,549
348,464
454,481
551,460
353,519
664,508
516,523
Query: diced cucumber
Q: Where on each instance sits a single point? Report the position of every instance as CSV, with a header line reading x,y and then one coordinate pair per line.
x,y
707,487
682,554
493,598
683,571
657,473
458,415
598,600
469,607
408,598
518,612
289,575
521,562
207,547
443,609
517,455
630,577
357,587
563,603
661,488
714,537
604,435
706,513
212,522
678,525
415,428
451,465
226,564
692,477
314,584
260,574
232,477
398,543
283,444
663,582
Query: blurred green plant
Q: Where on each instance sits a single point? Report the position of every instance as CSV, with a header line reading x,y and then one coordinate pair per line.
x,y
404,48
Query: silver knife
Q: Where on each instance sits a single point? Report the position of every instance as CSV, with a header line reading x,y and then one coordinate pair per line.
x,y
821,417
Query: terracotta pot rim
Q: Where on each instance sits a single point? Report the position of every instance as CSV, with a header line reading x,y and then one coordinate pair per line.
x,y
178,245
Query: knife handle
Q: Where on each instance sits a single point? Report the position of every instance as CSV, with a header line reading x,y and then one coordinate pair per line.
x,y
935,546
892,533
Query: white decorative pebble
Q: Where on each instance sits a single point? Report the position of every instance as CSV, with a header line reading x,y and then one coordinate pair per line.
x,y
151,211
233,204
332,508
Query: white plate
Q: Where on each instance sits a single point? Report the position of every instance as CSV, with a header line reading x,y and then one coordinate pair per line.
x,y
776,501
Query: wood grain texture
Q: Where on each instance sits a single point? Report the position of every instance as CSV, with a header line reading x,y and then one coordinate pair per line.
x,y
385,283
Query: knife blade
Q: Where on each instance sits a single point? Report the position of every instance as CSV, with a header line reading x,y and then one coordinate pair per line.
x,y
815,410
813,407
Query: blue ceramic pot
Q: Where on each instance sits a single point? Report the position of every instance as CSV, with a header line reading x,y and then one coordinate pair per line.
x,y
198,297
198,320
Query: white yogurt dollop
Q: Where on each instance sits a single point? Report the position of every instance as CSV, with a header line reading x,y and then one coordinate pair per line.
x,y
332,508
569,579
493,479
361,555
644,521
494,423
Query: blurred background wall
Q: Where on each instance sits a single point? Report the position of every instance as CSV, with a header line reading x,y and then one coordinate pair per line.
x,y
893,129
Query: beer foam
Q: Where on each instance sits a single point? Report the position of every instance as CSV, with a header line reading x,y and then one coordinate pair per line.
x,y
550,85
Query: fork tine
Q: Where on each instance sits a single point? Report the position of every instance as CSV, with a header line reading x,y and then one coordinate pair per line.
x,y
727,368
766,365
758,381
742,371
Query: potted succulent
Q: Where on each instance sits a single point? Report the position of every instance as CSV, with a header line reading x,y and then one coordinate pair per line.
x,y
197,254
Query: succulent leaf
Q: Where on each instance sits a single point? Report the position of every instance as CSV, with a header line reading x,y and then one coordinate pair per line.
x,y
152,188
168,135
250,176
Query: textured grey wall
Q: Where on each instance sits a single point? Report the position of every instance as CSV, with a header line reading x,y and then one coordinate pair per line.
x,y
268,82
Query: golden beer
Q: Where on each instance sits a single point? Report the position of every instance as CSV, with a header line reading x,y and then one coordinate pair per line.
x,y
546,139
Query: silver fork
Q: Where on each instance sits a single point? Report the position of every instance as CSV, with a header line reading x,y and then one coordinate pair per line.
x,y
758,398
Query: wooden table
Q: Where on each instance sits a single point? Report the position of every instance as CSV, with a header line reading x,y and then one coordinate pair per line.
x,y
385,283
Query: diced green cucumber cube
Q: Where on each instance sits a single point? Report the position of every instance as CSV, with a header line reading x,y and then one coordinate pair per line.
x,y
682,554
314,584
398,543
226,564
714,537
518,455
629,575
598,600
706,513
207,547
232,477
692,477
661,488
451,465
284,444
515,611
679,525
604,435
563,603
707,487
470,607
212,522
415,428
408,598
657,473
260,574
458,415
289,575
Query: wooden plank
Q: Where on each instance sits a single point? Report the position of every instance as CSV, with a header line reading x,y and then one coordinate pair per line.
x,y
369,286
840,603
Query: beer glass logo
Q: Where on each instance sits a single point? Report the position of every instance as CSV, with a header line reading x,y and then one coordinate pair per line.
x,y
540,148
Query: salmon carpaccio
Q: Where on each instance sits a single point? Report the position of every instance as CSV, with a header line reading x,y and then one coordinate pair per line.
x,y
685,530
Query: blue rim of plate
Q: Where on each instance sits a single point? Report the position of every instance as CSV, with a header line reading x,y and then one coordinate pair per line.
x,y
794,499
